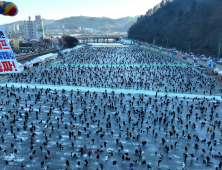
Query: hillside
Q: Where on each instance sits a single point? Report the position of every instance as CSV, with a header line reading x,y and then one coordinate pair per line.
x,y
179,23
100,23
92,22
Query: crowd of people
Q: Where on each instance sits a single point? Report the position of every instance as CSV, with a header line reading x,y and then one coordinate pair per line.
x,y
130,68
84,129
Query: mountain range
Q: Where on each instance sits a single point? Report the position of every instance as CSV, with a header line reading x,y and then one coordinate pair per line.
x,y
98,23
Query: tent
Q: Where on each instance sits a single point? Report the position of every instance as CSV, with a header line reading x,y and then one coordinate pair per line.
x,y
55,56
43,58
216,70
125,41
67,51
196,59
36,60
27,64
21,67
48,57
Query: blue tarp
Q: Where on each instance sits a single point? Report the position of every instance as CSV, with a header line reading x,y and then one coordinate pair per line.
x,y
174,54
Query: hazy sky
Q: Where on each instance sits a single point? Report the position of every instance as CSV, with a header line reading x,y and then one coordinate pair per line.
x,y
57,9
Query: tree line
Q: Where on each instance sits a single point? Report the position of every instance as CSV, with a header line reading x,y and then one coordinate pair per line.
x,y
182,24
70,41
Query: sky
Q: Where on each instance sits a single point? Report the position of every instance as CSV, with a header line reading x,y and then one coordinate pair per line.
x,y
58,9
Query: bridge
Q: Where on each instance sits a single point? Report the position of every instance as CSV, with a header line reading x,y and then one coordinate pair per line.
x,y
96,38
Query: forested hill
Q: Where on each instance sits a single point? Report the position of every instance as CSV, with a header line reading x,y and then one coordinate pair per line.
x,y
180,22
73,22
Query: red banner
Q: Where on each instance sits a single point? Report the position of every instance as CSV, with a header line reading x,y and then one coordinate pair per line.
x,y
8,63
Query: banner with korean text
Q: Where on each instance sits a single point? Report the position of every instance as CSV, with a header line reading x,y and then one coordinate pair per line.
x,y
174,54
179,55
8,63
211,63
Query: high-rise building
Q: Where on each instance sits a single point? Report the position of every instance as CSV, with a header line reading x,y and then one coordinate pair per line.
x,y
34,29
17,27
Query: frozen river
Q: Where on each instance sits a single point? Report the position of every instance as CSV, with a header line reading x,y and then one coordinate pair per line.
x,y
86,113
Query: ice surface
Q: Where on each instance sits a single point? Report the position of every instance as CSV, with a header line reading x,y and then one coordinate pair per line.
x,y
162,113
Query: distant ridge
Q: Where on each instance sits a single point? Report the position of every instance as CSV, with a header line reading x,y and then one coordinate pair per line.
x,y
99,23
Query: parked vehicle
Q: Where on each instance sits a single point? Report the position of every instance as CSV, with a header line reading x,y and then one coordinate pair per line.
x,y
203,58
220,61
201,66
215,59
196,65
209,58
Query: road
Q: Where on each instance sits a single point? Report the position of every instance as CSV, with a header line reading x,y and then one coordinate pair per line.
x,y
23,59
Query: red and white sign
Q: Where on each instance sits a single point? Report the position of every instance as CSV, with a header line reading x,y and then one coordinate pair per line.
x,y
8,62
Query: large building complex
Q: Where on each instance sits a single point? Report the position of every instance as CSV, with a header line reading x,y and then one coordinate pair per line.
x,y
14,43
34,30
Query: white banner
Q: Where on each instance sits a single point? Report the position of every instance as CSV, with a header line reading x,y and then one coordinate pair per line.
x,y
8,62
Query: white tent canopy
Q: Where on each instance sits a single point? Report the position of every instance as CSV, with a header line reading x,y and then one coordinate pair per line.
x,y
48,57
69,50
21,67
27,64
36,60
216,70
